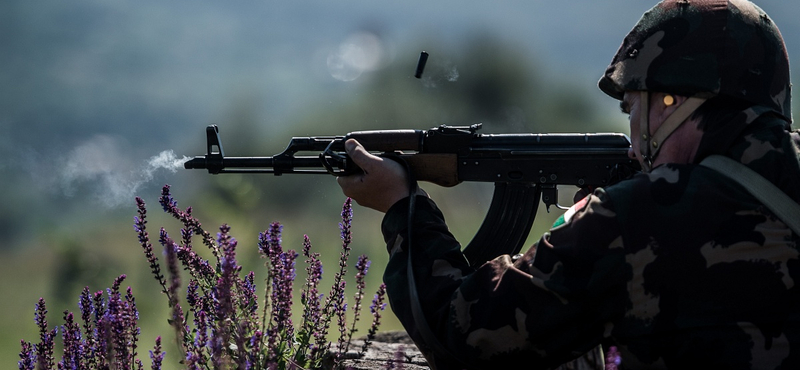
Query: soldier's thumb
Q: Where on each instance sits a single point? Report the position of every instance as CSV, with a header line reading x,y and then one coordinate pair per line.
x,y
358,154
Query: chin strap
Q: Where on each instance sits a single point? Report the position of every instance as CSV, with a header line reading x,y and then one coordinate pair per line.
x,y
649,145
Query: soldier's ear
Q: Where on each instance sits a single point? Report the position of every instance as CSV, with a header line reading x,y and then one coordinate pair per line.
x,y
665,104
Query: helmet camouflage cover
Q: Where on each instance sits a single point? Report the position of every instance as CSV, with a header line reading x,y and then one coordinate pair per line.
x,y
704,48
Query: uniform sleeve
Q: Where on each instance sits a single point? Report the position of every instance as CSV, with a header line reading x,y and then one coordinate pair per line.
x,y
544,309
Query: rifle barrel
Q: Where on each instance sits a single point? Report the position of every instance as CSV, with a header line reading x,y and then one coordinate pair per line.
x,y
277,165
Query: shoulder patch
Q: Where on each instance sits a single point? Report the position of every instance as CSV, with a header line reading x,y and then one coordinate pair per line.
x,y
567,216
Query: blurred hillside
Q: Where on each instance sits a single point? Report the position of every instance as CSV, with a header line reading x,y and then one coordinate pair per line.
x,y
100,101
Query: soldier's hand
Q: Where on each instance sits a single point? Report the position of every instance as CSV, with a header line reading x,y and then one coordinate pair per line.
x,y
382,183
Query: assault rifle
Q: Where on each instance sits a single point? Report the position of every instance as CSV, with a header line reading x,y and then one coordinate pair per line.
x,y
524,168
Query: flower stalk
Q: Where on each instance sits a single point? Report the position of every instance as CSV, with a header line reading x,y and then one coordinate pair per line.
x,y
223,326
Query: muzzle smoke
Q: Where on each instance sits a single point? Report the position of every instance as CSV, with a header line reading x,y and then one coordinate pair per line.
x,y
100,169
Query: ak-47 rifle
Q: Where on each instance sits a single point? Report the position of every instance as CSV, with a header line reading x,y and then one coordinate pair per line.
x,y
523,167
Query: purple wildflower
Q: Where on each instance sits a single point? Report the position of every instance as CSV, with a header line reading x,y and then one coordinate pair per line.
x,y
73,348
111,334
132,316
198,354
397,362
281,273
335,302
346,234
362,266
282,286
224,289
27,356
340,308
347,219
167,202
157,355
222,303
194,363
228,270
267,241
248,300
102,344
281,329
242,338
270,240
254,355
44,350
198,267
117,318
377,306
186,234
217,347
192,296
613,358
87,309
170,206
171,251
310,297
307,247
139,225
272,345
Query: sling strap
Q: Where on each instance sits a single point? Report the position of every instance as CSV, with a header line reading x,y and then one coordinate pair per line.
x,y
786,209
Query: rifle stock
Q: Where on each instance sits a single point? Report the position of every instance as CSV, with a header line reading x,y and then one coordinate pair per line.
x,y
524,167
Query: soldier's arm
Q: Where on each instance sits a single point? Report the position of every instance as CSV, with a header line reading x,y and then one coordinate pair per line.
x,y
546,308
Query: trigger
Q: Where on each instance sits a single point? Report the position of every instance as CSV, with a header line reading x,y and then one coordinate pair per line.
x,y
550,197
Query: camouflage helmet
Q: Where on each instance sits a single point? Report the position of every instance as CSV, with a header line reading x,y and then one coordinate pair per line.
x,y
704,48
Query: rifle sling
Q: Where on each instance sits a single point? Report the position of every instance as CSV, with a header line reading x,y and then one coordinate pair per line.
x,y
431,345
784,207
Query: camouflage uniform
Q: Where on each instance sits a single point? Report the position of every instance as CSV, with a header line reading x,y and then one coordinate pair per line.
x,y
679,267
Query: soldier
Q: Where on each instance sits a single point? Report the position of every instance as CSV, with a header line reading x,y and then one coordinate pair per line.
x,y
677,267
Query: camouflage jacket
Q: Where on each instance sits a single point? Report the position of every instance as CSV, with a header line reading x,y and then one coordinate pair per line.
x,y
678,268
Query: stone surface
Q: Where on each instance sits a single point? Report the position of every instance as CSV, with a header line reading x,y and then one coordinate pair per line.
x,y
389,350
395,350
